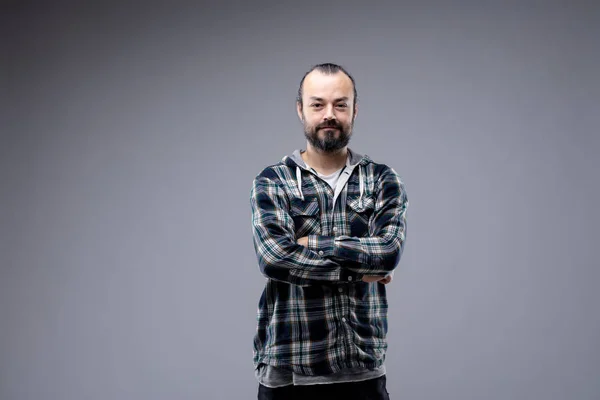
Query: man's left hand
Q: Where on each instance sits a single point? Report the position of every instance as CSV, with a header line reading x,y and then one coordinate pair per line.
x,y
372,278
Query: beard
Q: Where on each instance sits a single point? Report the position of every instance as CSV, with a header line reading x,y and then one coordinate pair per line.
x,y
332,140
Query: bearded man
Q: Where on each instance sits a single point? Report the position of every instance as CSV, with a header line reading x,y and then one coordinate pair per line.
x,y
329,227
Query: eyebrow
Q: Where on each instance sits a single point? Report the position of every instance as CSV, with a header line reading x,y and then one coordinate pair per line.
x,y
345,98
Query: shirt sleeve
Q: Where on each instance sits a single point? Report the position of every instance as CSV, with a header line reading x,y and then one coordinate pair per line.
x,y
380,252
279,256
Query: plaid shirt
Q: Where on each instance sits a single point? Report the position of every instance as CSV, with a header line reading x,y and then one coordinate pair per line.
x,y
315,315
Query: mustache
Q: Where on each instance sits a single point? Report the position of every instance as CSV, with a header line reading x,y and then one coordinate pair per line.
x,y
329,124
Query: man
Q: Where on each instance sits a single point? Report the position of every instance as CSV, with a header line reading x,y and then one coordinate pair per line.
x,y
329,228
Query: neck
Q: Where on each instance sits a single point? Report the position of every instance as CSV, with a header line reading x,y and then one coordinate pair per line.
x,y
325,163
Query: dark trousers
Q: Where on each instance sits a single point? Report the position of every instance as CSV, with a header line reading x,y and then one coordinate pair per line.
x,y
372,389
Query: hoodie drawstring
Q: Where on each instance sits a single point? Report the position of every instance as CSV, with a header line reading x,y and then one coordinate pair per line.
x,y
299,179
360,181
362,186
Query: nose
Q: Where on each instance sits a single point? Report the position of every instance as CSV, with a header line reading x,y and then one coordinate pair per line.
x,y
329,113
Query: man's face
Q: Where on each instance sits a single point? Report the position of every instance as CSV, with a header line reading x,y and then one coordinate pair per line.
x,y
327,111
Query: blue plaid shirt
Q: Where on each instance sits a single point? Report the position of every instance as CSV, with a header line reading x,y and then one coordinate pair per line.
x,y
315,315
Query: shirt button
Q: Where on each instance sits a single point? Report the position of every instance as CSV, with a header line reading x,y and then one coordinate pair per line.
x,y
341,290
321,252
349,278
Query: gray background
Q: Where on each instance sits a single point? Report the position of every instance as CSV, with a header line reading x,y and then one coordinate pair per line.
x,y
131,135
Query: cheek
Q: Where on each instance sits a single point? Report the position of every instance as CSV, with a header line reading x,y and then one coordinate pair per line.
x,y
310,122
308,126
345,120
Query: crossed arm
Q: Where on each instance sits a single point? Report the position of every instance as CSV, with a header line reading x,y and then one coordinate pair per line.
x,y
303,241
317,259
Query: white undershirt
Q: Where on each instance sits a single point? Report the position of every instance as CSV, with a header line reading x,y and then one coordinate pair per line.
x,y
333,178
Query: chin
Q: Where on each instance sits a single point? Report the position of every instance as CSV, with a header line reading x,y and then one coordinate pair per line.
x,y
329,132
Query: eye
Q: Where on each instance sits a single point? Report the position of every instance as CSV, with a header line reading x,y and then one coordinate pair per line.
x,y
342,105
316,105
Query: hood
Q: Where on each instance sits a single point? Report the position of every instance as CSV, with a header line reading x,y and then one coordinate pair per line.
x,y
296,159
355,160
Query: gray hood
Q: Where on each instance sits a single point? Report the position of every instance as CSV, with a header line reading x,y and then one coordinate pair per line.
x,y
355,160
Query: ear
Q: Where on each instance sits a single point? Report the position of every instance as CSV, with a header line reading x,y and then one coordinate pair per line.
x,y
299,111
355,112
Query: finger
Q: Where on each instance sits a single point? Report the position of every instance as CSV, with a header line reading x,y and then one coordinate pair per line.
x,y
370,278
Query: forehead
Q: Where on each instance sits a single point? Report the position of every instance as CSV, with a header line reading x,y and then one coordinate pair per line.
x,y
325,86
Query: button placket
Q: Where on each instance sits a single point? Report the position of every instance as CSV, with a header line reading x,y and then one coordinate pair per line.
x,y
344,300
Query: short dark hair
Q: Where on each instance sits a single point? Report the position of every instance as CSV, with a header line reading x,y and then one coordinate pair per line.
x,y
327,69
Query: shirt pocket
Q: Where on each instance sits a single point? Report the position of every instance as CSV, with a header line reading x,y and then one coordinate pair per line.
x,y
359,214
306,215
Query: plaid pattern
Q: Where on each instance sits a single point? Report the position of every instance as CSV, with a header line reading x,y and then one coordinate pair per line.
x,y
315,315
